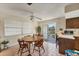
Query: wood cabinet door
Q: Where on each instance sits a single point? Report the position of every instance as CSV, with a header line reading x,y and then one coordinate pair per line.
x,y
77,43
69,23
72,23
76,23
65,44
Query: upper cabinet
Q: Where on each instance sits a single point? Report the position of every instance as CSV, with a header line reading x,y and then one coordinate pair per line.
x,y
72,23
72,16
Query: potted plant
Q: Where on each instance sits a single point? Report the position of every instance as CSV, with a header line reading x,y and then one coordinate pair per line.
x,y
38,30
5,42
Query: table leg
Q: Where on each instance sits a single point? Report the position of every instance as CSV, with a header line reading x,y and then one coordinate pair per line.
x,y
0,47
29,50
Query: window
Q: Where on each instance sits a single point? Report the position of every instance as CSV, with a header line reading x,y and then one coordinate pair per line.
x,y
13,27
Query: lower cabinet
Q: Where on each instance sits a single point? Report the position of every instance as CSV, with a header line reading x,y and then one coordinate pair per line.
x,y
77,43
65,44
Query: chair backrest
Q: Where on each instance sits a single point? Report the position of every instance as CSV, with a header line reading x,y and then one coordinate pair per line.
x,y
39,43
21,42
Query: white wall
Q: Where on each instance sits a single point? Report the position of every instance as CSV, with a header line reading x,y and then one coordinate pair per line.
x,y
1,28
60,23
13,39
72,14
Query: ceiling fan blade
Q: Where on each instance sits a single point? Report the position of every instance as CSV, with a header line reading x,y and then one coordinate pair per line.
x,y
37,17
32,17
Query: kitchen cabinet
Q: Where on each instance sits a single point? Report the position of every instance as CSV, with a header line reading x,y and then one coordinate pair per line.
x,y
72,23
76,43
64,44
67,43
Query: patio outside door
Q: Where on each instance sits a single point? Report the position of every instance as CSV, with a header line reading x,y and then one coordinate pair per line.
x,y
51,32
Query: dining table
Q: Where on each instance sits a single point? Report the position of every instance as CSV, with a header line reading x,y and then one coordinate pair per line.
x,y
30,40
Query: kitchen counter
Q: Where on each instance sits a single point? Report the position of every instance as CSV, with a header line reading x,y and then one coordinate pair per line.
x,y
68,42
76,35
67,36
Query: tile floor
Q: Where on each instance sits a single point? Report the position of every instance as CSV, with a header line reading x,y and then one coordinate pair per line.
x,y
50,50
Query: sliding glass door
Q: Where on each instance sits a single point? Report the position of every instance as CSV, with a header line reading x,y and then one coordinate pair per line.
x,y
51,32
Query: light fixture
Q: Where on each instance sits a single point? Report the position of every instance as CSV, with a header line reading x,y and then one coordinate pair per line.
x,y
29,4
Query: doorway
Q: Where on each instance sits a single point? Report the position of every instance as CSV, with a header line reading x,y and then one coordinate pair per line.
x,y
51,35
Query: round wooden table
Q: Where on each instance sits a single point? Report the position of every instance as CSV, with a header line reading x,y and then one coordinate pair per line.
x,y
30,40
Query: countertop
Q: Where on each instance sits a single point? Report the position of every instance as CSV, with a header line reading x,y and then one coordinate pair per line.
x,y
67,36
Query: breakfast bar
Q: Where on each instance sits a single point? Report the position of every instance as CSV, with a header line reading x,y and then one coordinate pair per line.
x,y
68,42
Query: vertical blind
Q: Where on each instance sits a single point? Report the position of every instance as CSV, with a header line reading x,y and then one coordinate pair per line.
x,y
13,27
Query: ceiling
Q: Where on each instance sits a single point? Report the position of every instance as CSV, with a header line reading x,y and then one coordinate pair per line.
x,y
43,10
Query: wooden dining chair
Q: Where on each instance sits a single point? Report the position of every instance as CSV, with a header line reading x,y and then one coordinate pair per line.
x,y
22,45
39,44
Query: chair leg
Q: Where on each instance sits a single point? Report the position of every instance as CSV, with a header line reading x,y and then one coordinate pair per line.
x,y
21,52
18,51
26,49
43,48
33,49
39,51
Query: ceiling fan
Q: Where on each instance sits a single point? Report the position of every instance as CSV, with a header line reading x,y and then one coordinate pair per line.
x,y
32,17
32,14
